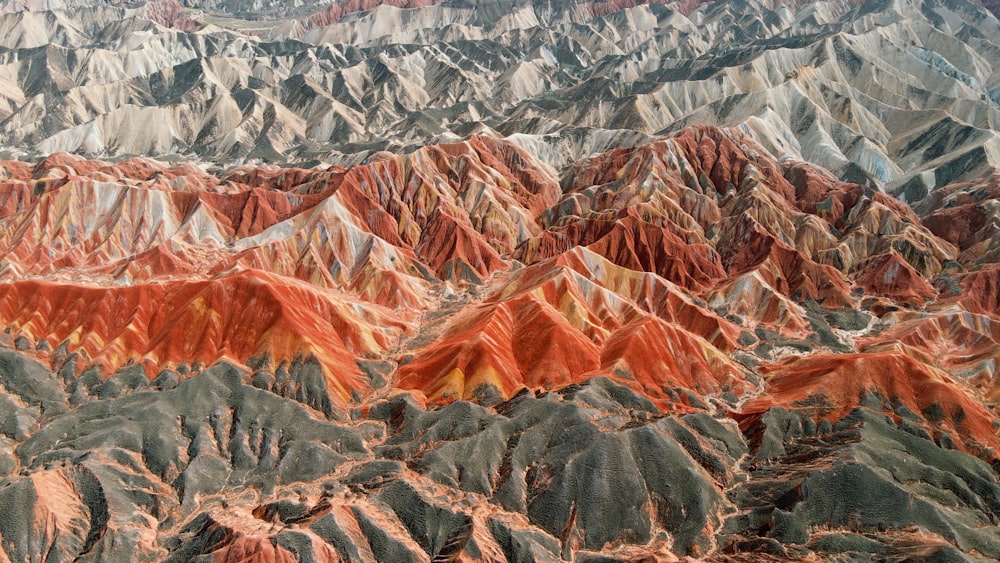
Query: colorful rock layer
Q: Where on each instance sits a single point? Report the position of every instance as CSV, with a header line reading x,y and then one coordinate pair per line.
x,y
682,348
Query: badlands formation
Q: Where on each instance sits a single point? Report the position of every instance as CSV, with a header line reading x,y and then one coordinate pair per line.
x,y
499,281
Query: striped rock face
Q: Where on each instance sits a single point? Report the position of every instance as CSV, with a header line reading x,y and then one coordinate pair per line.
x,y
499,281
681,348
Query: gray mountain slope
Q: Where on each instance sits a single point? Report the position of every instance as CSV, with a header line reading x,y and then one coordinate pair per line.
x,y
899,94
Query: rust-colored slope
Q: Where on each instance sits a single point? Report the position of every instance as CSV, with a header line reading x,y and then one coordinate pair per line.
x,y
341,8
707,211
965,214
981,291
648,293
144,262
459,206
891,276
77,214
818,192
789,271
497,351
632,242
650,265
170,13
830,386
524,343
783,234
964,344
238,317
655,357
246,549
573,317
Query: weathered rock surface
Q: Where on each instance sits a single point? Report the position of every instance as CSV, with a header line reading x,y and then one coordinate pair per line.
x,y
894,94
684,348
521,299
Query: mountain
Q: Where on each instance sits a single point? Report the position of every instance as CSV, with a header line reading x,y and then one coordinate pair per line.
x,y
686,347
895,94
499,281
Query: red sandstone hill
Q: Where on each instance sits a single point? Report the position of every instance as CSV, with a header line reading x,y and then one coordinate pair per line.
x,y
700,280
652,265
689,299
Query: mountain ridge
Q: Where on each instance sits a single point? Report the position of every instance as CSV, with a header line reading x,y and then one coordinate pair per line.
x,y
533,281
400,301
896,94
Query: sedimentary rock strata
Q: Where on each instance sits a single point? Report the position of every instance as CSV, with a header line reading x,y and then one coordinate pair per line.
x,y
499,281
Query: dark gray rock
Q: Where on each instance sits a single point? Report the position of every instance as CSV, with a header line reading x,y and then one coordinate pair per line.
x,y
847,542
298,544
122,382
547,457
17,422
25,537
867,476
349,545
200,536
441,532
284,511
31,381
307,385
210,430
384,545
304,460
524,545
165,380
374,474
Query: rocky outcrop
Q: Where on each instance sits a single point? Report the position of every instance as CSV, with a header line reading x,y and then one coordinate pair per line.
x,y
683,348
895,95
413,280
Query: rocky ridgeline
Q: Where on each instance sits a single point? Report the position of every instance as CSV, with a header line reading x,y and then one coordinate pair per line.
x,y
900,95
214,466
681,349
551,281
